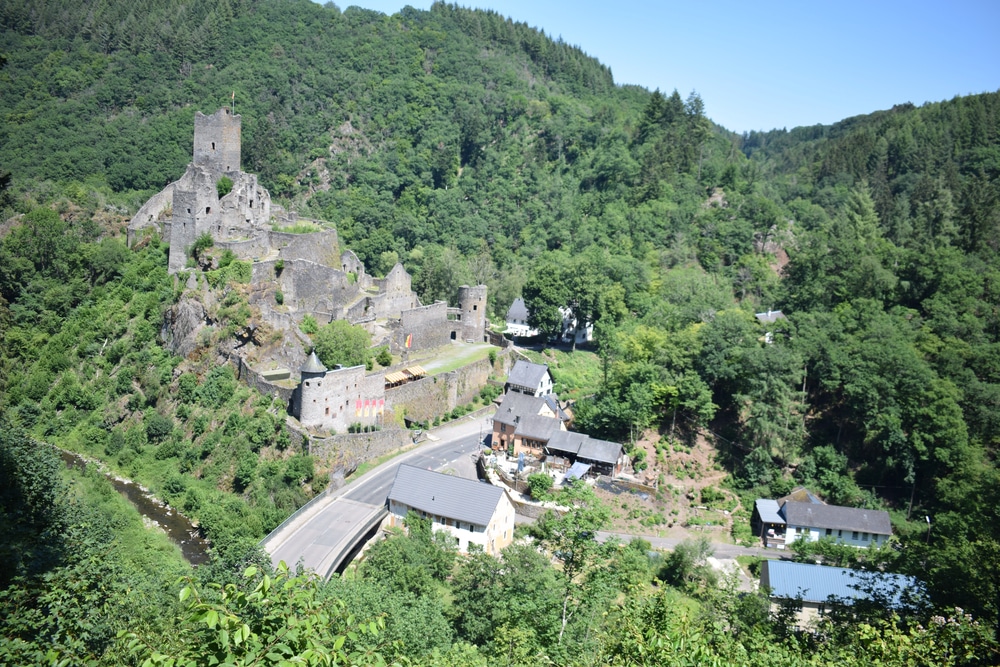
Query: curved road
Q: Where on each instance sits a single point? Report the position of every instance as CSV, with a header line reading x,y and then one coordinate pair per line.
x,y
330,529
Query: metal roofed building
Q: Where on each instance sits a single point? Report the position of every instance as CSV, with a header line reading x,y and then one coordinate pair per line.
x,y
528,378
605,458
820,587
468,510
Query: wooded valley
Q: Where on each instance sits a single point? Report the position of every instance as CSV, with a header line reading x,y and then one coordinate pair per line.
x,y
477,150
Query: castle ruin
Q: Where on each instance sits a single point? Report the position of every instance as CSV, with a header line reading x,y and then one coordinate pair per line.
x,y
294,275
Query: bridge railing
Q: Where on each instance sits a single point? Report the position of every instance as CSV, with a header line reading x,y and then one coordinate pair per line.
x,y
305,509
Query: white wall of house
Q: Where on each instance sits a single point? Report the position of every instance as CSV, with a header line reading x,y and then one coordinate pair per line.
x,y
852,538
492,538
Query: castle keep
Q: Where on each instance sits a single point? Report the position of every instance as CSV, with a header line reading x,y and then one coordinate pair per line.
x,y
294,275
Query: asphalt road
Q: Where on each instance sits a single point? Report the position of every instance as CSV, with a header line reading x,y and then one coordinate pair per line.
x,y
323,534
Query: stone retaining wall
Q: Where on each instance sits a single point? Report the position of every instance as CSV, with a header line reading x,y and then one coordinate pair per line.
x,y
349,450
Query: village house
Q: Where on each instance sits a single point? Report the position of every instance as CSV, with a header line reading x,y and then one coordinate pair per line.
x,y
524,423
517,320
602,457
814,590
468,510
780,524
529,378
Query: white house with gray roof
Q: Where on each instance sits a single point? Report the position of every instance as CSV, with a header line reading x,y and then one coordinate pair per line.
x,y
528,378
780,525
470,511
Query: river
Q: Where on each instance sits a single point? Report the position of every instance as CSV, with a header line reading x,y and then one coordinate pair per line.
x,y
178,527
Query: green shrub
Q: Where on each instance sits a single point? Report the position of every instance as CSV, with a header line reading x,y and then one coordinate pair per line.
x,y
309,325
539,485
224,186
279,297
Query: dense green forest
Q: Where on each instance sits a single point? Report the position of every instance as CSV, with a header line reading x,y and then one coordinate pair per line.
x,y
476,149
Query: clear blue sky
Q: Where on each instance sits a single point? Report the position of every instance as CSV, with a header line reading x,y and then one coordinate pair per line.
x,y
767,64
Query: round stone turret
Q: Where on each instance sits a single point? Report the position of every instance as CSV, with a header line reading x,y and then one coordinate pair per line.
x,y
311,392
472,303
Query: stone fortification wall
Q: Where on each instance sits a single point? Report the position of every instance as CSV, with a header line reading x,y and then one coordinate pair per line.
x,y
247,249
350,263
243,213
361,310
340,398
217,142
254,379
428,326
309,287
320,247
347,451
149,215
183,228
431,397
395,292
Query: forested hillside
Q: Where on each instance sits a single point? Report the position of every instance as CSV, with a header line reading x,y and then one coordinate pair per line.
x,y
475,149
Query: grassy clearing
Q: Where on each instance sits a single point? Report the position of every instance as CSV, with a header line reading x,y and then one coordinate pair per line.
x,y
576,374
457,357
368,465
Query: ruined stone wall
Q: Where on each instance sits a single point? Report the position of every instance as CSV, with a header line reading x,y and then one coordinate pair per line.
x,y
149,215
428,326
321,247
249,249
217,141
308,286
254,379
183,229
395,293
245,212
348,451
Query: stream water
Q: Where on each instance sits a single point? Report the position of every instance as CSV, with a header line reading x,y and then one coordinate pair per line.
x,y
178,528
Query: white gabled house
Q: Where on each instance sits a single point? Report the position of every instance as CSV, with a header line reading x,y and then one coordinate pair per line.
x,y
529,378
470,511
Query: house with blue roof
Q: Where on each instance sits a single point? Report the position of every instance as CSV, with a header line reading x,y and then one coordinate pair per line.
x,y
815,590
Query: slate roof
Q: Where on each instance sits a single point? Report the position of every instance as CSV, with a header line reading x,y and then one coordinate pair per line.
x,y
584,447
838,518
445,495
537,427
527,374
517,405
553,402
518,311
313,364
817,583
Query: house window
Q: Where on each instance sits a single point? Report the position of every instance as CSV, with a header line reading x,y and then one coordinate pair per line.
x,y
213,145
840,533
854,534
829,531
864,536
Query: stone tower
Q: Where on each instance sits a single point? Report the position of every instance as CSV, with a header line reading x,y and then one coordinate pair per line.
x,y
217,141
472,303
311,393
